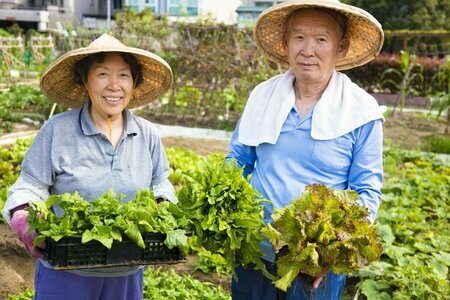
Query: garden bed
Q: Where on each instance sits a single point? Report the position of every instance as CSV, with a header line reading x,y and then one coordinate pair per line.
x,y
407,130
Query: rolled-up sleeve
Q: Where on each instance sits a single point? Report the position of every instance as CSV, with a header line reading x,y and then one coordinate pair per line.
x,y
165,190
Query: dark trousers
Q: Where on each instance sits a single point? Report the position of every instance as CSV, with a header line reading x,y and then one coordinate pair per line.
x,y
59,285
253,285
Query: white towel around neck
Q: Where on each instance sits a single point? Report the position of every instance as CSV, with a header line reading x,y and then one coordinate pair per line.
x,y
343,107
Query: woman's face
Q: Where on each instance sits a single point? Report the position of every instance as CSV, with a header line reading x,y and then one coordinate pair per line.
x,y
110,86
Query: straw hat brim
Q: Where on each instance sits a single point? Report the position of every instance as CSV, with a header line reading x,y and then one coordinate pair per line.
x,y
58,83
363,30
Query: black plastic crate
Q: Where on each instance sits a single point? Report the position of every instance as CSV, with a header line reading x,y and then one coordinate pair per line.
x,y
70,253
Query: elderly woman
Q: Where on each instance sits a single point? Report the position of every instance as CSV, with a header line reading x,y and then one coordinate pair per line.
x,y
311,124
97,145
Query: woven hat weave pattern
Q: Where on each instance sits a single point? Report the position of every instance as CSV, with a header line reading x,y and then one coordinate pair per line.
x,y
58,84
363,31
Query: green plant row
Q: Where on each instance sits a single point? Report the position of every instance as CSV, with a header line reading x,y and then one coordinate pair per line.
x,y
414,223
27,54
10,160
160,284
217,66
23,101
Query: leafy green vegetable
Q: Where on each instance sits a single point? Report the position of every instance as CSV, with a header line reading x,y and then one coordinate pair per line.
x,y
28,294
224,212
181,161
323,228
168,285
414,222
208,262
160,284
106,219
10,160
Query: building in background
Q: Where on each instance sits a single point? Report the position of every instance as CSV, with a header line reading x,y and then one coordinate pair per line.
x,y
223,11
45,15
249,11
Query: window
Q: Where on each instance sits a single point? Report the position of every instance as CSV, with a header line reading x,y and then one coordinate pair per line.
x,y
192,11
174,7
117,4
174,10
178,7
192,7
133,4
152,4
267,4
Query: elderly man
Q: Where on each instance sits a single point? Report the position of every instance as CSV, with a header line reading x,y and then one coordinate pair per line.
x,y
311,124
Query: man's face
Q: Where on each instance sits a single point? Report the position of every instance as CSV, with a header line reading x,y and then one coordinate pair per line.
x,y
313,45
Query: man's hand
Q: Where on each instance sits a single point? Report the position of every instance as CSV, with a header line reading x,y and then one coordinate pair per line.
x,y
319,278
20,226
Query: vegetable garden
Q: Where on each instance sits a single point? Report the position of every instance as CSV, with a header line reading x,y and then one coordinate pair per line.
x,y
219,214
413,223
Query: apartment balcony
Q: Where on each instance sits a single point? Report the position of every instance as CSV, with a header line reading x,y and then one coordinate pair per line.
x,y
26,14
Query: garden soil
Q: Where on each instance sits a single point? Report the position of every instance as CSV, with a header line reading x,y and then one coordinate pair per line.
x,y
17,266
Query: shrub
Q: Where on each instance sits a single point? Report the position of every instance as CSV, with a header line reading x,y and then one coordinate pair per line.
x,y
438,144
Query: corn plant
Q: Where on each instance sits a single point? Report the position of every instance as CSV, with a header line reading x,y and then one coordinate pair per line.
x,y
440,98
401,78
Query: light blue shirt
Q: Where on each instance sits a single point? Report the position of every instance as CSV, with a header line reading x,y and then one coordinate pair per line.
x,y
281,171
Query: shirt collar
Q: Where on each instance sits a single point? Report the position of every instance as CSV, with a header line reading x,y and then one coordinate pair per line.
x,y
88,127
294,111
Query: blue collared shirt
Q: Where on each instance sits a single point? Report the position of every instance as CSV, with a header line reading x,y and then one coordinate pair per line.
x,y
281,171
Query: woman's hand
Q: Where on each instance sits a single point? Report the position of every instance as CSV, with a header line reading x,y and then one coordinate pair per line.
x,y
20,226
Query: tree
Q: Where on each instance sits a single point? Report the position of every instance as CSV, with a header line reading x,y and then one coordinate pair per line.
x,y
407,14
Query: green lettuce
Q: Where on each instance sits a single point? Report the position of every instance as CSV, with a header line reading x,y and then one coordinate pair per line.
x,y
321,229
224,212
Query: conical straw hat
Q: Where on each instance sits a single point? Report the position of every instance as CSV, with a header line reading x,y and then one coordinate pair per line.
x,y
363,30
58,83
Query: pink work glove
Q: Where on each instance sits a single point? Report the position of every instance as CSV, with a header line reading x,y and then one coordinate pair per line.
x,y
20,226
